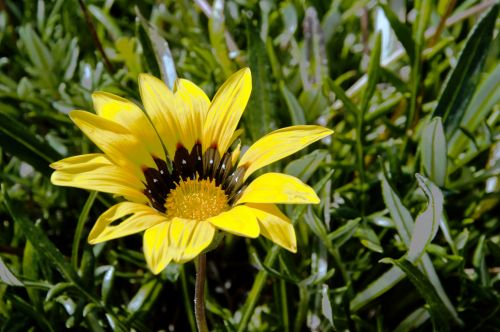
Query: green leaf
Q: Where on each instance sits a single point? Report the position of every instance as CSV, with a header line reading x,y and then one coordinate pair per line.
x,y
161,51
149,290
434,153
378,287
261,114
437,309
107,283
373,74
18,140
402,31
427,222
305,166
216,33
296,111
399,213
7,277
485,97
107,21
414,320
40,241
341,94
463,79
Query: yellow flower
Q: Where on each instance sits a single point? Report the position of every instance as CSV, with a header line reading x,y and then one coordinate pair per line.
x,y
175,168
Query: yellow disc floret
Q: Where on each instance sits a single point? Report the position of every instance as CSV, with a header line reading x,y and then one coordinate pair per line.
x,y
196,200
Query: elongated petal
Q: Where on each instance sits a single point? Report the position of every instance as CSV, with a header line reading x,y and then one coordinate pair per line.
x,y
96,172
140,217
278,188
274,225
130,116
179,240
192,107
280,144
117,142
239,221
226,110
159,103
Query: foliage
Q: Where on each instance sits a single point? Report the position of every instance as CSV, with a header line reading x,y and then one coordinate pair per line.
x,y
410,177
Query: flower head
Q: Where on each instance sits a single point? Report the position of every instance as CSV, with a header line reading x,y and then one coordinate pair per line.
x,y
174,165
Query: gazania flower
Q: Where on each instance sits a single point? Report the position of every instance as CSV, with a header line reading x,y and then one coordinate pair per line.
x,y
180,179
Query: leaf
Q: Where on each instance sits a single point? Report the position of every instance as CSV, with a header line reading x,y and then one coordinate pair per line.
x,y
147,291
7,277
107,21
341,94
434,153
402,31
437,309
462,80
373,73
485,97
161,51
378,287
305,166
326,305
399,213
296,111
414,320
40,241
427,222
107,284
261,114
216,33
18,140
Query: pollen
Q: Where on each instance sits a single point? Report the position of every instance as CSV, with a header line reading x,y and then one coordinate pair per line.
x,y
196,199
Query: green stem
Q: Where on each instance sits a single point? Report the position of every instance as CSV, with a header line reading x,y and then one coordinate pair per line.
x,y
79,228
199,294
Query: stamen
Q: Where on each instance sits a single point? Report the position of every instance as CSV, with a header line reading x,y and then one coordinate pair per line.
x,y
196,200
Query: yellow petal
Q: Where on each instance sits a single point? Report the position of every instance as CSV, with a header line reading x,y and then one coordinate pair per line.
x,y
141,217
280,144
192,107
226,110
130,116
179,240
239,220
274,225
278,188
96,172
159,103
117,142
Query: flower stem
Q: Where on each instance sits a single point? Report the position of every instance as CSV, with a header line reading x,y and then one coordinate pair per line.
x,y
199,294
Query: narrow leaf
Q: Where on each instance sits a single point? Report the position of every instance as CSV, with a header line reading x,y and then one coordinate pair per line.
x,y
18,140
40,241
162,52
427,222
296,111
216,32
486,96
399,213
261,109
437,309
462,80
7,277
434,153
402,31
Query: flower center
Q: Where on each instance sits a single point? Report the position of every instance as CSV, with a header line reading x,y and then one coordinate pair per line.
x,y
196,200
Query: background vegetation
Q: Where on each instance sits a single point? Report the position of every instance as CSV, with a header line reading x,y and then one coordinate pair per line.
x,y
408,86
